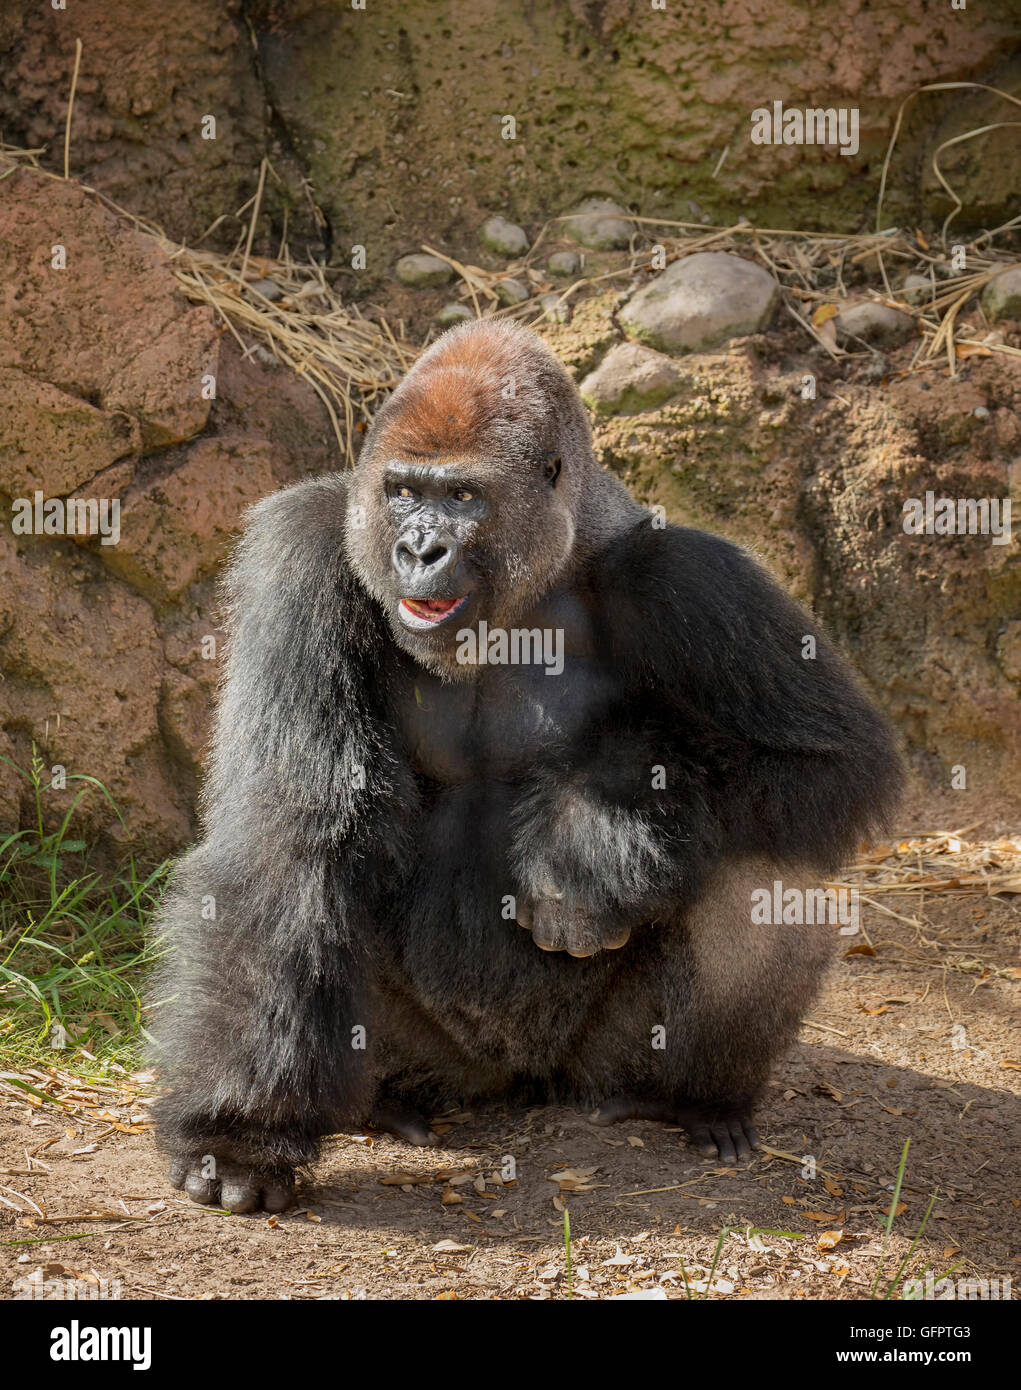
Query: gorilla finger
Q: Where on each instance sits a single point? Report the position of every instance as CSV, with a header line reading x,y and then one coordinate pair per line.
x,y
404,1124
239,1196
752,1135
704,1141
202,1190
612,1110
547,935
614,943
177,1172
278,1197
724,1143
742,1148
524,916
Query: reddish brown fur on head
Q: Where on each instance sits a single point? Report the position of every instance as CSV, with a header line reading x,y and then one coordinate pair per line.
x,y
469,382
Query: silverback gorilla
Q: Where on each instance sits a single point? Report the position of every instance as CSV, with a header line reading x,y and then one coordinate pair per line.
x,y
499,761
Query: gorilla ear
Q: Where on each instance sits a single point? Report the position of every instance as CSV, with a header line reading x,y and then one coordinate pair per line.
x,y
552,470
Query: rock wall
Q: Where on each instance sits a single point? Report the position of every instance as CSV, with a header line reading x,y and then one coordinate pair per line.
x,y
380,131
104,651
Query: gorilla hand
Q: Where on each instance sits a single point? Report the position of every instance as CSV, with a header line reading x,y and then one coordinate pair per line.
x,y
558,923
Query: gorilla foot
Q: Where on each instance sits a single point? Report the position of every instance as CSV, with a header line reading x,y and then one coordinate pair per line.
x,y
717,1131
403,1123
239,1189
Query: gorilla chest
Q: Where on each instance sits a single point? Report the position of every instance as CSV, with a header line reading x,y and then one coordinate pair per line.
x,y
532,694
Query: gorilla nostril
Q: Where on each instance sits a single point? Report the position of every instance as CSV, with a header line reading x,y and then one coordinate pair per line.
x,y
434,555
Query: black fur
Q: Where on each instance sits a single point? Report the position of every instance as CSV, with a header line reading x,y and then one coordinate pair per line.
x,y
368,815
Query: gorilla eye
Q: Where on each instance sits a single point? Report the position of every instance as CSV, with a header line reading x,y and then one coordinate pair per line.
x,y
404,492
462,495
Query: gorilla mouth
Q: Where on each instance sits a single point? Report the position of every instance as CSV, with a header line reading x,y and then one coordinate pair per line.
x,y
429,612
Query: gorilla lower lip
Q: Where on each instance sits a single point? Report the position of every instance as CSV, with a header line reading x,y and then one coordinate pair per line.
x,y
430,611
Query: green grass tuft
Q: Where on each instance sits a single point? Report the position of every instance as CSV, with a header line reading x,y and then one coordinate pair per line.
x,y
74,941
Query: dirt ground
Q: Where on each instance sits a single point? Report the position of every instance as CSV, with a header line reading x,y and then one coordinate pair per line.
x,y
916,1041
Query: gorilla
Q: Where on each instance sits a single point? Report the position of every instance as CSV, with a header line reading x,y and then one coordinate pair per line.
x,y
499,761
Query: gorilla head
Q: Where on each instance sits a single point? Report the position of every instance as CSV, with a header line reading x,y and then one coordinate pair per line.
x,y
469,490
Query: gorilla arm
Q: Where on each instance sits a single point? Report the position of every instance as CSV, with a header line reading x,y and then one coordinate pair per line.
x,y
736,735
257,1033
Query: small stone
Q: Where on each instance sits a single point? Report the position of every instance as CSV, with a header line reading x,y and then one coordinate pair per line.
x,y
980,413
631,378
564,263
269,289
503,238
554,309
510,291
1001,298
701,301
453,313
917,289
875,324
600,224
422,271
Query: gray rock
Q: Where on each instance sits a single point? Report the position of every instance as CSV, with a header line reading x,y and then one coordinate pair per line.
x,y
701,301
631,378
503,238
875,324
1001,298
598,223
269,289
564,263
453,313
917,289
511,291
554,310
422,271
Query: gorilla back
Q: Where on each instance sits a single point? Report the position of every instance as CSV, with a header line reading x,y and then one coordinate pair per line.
x,y
498,765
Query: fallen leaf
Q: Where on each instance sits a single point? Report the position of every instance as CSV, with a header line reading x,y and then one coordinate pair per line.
x,y
825,1089
829,1239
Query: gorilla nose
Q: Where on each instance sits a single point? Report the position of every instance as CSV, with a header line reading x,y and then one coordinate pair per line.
x,y
424,554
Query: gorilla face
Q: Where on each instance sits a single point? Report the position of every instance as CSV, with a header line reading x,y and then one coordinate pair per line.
x,y
435,574
454,543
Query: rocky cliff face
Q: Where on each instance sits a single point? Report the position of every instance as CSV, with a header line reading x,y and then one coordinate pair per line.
x,y
381,133
105,380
